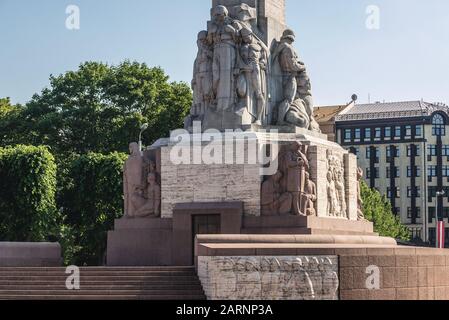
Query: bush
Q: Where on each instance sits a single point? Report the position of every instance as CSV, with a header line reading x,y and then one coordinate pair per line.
x,y
378,210
91,198
27,194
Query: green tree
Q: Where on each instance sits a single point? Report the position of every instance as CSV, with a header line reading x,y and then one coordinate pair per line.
x,y
378,210
90,197
10,116
99,108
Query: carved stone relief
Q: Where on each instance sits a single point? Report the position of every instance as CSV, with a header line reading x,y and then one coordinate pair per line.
x,y
141,182
290,190
269,278
336,191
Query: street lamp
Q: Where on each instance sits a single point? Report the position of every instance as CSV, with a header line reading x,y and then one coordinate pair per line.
x,y
439,195
143,128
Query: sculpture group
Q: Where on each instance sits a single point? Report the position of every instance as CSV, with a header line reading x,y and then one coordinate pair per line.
x,y
291,190
235,71
142,191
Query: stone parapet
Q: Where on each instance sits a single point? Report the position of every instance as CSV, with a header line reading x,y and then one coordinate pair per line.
x,y
44,254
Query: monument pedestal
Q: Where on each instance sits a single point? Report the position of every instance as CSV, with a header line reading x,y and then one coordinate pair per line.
x,y
140,242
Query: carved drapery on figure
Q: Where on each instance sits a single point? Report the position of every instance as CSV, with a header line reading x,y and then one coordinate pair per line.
x,y
336,191
296,106
290,190
360,214
235,73
142,191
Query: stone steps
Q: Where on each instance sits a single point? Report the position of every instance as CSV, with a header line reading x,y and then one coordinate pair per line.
x,y
102,297
101,283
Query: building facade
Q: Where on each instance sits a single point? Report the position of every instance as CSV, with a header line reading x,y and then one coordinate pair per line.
x,y
403,149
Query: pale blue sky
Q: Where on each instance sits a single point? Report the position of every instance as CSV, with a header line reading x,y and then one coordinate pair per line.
x,y
407,59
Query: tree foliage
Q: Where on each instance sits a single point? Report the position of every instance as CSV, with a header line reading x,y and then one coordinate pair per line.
x,y
91,197
99,108
378,210
27,194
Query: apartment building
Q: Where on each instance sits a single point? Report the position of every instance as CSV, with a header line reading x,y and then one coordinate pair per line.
x,y
403,148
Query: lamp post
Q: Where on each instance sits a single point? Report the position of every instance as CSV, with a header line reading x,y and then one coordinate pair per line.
x,y
439,195
143,128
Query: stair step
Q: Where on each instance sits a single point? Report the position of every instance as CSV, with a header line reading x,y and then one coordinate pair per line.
x,y
96,278
99,292
102,283
106,297
102,269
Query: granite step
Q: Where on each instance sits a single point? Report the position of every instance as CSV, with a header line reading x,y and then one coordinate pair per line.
x,y
102,283
108,297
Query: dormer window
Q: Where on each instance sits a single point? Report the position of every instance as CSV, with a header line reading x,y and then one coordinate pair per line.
x,y
438,125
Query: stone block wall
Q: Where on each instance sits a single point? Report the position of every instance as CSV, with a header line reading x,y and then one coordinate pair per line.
x,y
269,278
405,274
209,183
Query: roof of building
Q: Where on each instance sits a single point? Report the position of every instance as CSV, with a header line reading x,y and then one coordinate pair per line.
x,y
327,113
391,110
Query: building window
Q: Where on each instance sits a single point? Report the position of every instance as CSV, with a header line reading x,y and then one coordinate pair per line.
x,y
416,192
432,150
396,172
348,135
376,173
357,134
367,134
378,133
445,151
446,171
432,171
415,170
368,153
392,193
392,152
397,132
438,125
417,148
417,213
418,131
387,133
408,132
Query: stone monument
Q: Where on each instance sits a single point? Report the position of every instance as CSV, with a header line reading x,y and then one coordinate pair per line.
x,y
251,160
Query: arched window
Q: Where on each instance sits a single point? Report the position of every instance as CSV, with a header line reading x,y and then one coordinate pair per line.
x,y
438,125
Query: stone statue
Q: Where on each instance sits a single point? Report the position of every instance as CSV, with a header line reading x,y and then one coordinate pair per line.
x,y
274,202
336,190
222,34
296,108
253,60
132,177
332,202
150,200
297,164
309,197
341,191
202,79
360,214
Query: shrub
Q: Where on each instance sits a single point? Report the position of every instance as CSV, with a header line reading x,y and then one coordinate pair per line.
x,y
27,194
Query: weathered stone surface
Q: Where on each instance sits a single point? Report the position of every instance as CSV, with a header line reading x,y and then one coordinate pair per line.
x,y
15,254
269,278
